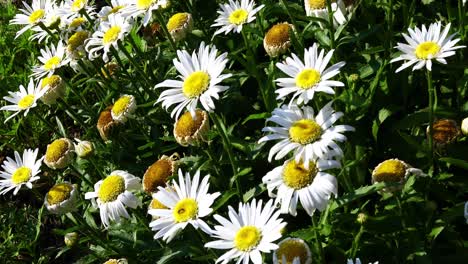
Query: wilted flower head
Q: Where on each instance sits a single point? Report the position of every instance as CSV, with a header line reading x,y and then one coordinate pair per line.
x,y
54,88
277,40
106,124
123,108
191,131
292,251
116,261
179,25
444,131
59,153
61,198
394,171
158,173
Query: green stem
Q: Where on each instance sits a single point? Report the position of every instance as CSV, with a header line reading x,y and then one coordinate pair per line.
x,y
390,27
44,27
461,17
45,121
430,90
332,25
319,243
166,32
227,147
293,21
68,109
135,64
356,240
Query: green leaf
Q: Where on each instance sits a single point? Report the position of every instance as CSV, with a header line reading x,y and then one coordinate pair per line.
x,y
224,199
60,127
356,194
457,162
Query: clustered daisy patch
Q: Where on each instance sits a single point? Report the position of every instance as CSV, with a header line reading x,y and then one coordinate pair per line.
x,y
153,121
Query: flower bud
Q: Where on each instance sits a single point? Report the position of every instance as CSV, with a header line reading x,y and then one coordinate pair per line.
x,y
55,88
71,239
84,149
464,126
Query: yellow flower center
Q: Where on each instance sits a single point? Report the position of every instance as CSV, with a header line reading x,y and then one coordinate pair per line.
x,y
292,249
59,193
111,187
307,78
390,171
145,4
305,131
317,4
157,175
77,22
177,21
296,176
186,126
427,50
111,35
26,101
195,84
78,5
238,17
185,210
121,105
155,204
52,63
277,35
112,261
52,81
21,174
77,40
56,150
247,238
36,15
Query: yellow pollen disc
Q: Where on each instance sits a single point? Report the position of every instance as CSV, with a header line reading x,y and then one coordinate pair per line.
x,y
247,238
177,21
56,150
238,17
52,81
78,5
59,193
144,4
185,210
36,15
277,35
157,175
112,261
77,40
155,204
390,171
317,4
21,174
296,176
52,63
77,22
111,187
427,50
186,126
291,249
116,9
26,101
307,78
305,131
111,35
195,84
121,105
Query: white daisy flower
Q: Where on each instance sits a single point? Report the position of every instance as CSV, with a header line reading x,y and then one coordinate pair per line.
x,y
292,251
51,58
123,108
31,15
137,8
20,171
52,21
201,77
112,194
108,34
247,233
318,8
234,15
306,78
187,204
424,45
72,8
311,186
116,7
23,100
309,136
